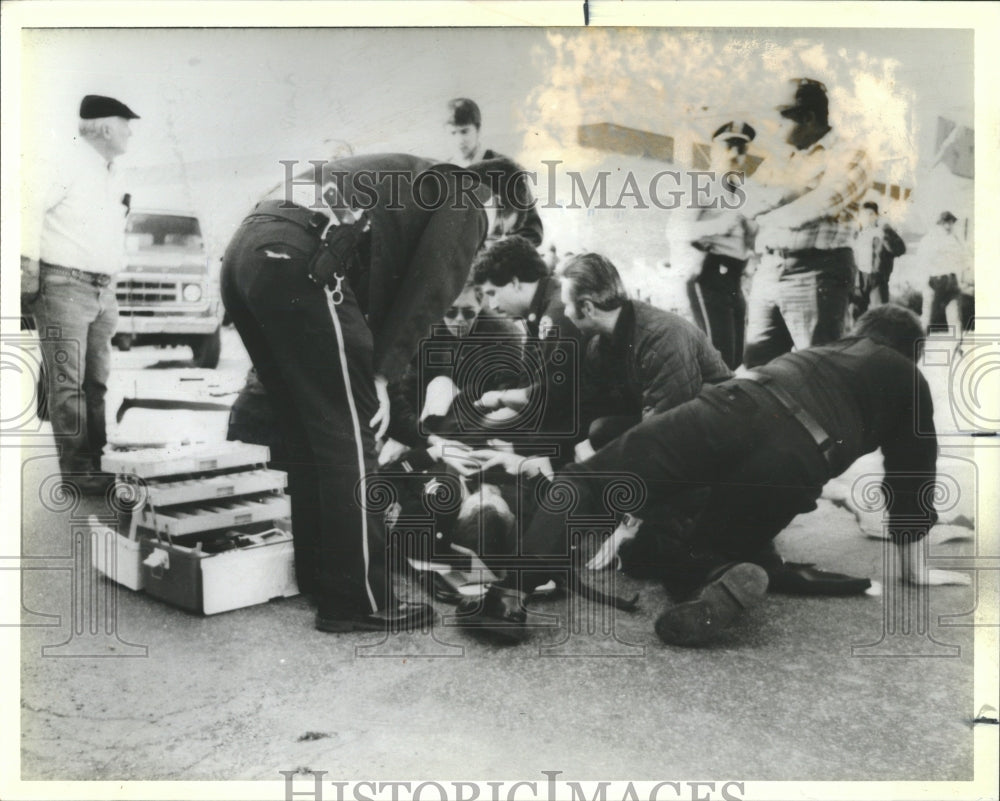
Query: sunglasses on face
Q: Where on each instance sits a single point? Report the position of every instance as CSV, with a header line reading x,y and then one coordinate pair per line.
x,y
467,312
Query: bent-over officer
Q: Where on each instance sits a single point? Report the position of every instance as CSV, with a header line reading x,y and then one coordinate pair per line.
x,y
332,281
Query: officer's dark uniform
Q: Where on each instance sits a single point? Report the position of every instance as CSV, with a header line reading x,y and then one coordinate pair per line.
x,y
317,349
718,304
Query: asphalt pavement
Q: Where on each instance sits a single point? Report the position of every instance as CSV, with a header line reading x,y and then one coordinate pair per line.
x,y
874,687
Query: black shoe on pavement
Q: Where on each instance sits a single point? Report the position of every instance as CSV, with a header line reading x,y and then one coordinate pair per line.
x,y
500,612
793,578
716,606
403,616
797,578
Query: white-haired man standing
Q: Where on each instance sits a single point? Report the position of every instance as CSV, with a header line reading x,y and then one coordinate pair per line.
x,y
75,255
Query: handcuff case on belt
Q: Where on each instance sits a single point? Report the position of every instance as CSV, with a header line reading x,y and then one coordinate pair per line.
x,y
342,254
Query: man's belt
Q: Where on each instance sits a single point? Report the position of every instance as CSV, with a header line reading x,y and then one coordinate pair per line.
x,y
798,253
823,440
94,279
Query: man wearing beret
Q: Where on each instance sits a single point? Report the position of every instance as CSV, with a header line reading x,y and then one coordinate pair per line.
x,y
519,217
332,281
805,210
80,246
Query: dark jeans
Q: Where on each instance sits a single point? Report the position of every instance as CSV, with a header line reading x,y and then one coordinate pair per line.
x,y
314,358
75,322
758,464
797,301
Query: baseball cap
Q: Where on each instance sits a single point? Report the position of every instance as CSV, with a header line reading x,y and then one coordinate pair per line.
x,y
810,95
96,107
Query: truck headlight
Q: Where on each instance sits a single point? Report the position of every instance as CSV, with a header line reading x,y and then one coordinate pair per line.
x,y
192,292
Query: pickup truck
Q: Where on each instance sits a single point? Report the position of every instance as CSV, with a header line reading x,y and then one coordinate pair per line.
x,y
168,293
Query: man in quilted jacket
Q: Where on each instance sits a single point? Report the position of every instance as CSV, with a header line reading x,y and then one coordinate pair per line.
x,y
639,360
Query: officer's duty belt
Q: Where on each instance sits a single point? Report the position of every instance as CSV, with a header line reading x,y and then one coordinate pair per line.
x,y
344,248
310,219
823,440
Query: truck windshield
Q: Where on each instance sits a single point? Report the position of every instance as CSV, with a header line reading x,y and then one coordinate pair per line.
x,y
145,231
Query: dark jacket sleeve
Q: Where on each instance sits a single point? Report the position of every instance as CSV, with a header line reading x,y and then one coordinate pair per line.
x,y
910,459
892,241
713,369
404,403
529,225
434,277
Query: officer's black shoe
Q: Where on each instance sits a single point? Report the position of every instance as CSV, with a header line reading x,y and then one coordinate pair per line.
x,y
797,578
499,613
793,578
716,606
403,616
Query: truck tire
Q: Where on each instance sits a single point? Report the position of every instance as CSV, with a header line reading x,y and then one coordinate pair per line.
x,y
206,349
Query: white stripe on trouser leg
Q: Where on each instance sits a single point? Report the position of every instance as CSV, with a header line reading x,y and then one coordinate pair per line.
x,y
357,439
704,311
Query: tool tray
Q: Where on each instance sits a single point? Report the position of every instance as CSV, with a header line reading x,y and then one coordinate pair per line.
x,y
178,460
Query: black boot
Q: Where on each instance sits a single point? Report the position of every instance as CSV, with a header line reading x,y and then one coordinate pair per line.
x,y
500,612
715,607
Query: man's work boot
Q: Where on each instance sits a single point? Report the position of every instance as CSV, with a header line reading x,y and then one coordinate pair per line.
x,y
716,606
500,613
798,578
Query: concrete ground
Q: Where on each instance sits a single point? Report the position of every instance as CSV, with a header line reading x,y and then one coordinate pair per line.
x,y
152,692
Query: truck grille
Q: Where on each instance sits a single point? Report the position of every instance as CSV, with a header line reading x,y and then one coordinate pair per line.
x,y
131,292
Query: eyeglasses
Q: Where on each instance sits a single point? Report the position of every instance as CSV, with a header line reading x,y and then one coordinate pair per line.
x,y
467,312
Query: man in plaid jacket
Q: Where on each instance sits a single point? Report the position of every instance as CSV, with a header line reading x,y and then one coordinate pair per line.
x,y
806,217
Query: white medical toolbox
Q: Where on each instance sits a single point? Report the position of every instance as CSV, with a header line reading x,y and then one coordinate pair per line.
x,y
176,460
210,529
258,567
